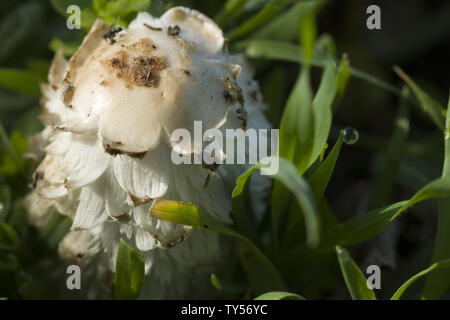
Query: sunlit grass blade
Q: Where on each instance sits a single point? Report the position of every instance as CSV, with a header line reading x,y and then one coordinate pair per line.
x,y
432,270
21,81
129,273
215,282
306,124
343,78
275,50
308,33
439,282
272,8
353,276
297,124
230,10
262,274
288,176
430,106
285,25
285,51
387,177
278,295
322,110
320,178
233,288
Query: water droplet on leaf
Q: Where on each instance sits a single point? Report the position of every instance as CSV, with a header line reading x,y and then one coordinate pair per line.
x,y
351,135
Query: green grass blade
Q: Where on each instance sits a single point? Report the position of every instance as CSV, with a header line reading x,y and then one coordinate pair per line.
x,y
437,188
129,274
322,110
387,176
215,282
272,8
343,78
432,270
370,224
285,25
430,106
360,228
281,50
297,124
308,33
260,271
320,178
21,81
439,282
353,276
289,177
230,10
278,295
306,123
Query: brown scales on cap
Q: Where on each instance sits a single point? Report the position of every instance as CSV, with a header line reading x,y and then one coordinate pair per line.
x,y
114,152
68,94
38,175
111,34
142,71
173,31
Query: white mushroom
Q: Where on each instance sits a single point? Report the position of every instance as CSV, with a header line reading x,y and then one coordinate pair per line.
x,y
112,108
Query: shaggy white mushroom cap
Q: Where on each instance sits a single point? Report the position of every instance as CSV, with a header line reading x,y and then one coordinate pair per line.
x,y
112,108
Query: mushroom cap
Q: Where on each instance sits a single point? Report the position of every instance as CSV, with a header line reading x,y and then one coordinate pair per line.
x,y
134,87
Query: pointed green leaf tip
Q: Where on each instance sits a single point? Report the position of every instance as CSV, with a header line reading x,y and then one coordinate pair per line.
x,y
353,276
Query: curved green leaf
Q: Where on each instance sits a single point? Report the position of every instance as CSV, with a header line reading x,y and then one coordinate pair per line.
x,y
437,188
437,283
445,264
289,177
279,295
260,271
285,51
230,10
272,8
